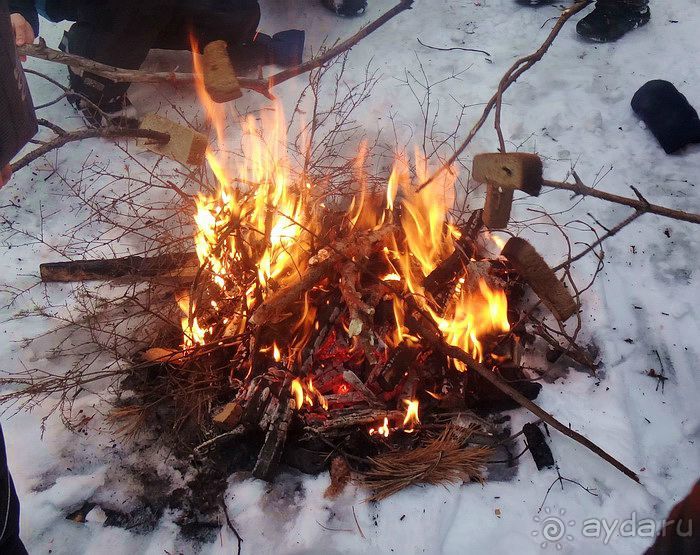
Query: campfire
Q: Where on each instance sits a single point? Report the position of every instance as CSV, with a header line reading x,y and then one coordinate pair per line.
x,y
319,323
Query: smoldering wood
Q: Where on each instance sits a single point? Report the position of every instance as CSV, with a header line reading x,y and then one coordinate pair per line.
x,y
271,452
112,268
449,270
356,383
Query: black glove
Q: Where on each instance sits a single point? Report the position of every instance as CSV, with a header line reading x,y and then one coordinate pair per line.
x,y
667,114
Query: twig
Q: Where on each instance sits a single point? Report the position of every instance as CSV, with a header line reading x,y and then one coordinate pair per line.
x,y
640,203
229,522
561,480
600,239
452,48
105,133
358,523
515,71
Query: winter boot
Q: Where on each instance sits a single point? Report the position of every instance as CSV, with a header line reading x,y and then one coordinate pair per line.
x,y
346,7
611,19
101,101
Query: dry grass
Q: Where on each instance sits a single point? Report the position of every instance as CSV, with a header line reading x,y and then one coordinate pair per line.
x,y
445,459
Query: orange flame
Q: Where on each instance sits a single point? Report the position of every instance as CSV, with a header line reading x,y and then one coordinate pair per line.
x,y
305,393
411,418
193,333
298,393
382,430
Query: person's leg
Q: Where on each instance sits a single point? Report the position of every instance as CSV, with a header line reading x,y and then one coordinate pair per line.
x,y
114,32
611,19
236,23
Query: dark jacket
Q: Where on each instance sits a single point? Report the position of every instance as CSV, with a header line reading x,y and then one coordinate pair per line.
x,y
17,119
10,544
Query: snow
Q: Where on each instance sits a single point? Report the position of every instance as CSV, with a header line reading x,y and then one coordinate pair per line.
x,y
572,108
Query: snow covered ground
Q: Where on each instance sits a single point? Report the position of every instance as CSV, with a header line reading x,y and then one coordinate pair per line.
x,y
573,107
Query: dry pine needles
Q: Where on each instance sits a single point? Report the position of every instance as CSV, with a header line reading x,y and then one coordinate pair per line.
x,y
445,459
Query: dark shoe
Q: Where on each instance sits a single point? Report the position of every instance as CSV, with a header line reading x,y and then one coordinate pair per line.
x,y
610,21
346,7
100,101
667,114
113,112
284,49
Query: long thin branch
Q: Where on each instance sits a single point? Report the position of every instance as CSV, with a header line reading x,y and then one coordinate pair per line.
x,y
432,335
640,203
515,71
262,86
121,75
105,133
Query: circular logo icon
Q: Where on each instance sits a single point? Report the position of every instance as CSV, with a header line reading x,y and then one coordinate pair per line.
x,y
552,528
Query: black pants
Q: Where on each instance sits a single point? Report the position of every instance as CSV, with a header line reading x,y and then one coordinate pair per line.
x,y
121,32
10,544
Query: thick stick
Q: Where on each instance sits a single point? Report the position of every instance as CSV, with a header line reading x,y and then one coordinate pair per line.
x,y
639,204
104,133
357,247
121,75
136,266
430,333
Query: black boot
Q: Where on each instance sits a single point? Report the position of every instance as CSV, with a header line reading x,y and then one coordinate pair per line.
x,y
611,19
101,101
346,7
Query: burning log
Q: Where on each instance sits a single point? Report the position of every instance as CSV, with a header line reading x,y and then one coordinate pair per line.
x,y
357,248
535,271
454,266
359,418
112,268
